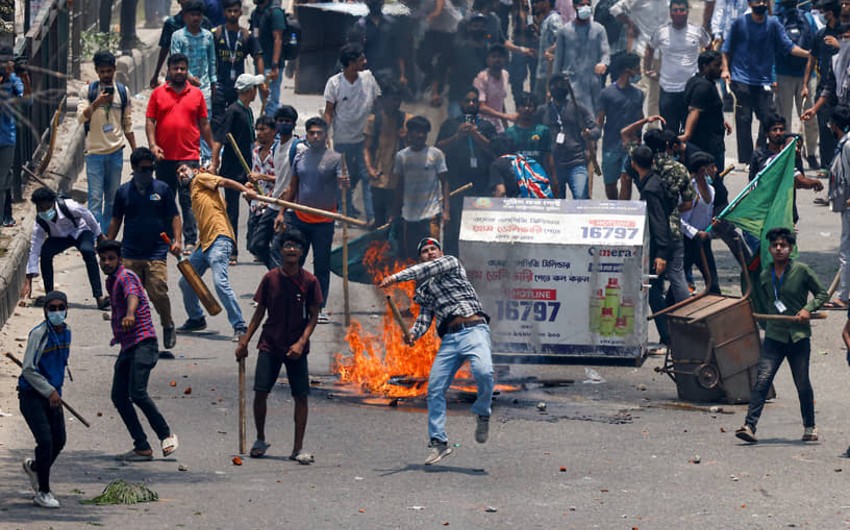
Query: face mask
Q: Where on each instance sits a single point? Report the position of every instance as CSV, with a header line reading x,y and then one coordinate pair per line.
x,y
559,93
584,12
635,79
56,318
49,215
285,128
760,9
143,177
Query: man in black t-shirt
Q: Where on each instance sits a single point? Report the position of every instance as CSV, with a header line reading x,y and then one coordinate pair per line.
x,y
466,144
704,125
232,46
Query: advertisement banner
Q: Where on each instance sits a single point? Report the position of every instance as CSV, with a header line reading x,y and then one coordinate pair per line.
x,y
559,277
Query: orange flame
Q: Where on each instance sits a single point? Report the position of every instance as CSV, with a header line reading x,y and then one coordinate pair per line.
x,y
378,357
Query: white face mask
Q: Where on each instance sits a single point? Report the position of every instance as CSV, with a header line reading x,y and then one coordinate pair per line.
x,y
584,12
56,318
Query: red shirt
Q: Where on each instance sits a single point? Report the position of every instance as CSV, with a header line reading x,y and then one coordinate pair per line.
x,y
287,300
177,116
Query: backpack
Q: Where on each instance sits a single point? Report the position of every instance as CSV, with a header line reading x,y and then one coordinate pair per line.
x,y
602,15
796,25
63,207
94,90
293,149
530,177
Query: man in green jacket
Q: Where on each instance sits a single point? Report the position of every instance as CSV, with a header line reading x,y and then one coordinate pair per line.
x,y
785,286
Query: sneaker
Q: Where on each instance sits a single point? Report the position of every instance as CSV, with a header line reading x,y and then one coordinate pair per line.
x,y
169,337
323,318
193,324
9,223
810,434
45,500
237,334
437,451
747,434
28,462
482,429
188,249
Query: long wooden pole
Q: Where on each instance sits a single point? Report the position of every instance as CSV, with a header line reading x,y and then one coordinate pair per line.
x,y
344,206
398,318
315,211
787,318
243,442
64,403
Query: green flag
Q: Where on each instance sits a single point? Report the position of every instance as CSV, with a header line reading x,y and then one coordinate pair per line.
x,y
768,201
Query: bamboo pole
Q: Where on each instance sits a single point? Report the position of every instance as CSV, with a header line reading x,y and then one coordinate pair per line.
x,y
315,211
64,403
344,206
398,319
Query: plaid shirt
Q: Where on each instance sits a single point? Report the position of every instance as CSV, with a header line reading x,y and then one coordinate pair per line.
x,y
121,284
443,292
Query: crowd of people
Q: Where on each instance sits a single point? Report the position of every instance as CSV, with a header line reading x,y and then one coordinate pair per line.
x,y
639,75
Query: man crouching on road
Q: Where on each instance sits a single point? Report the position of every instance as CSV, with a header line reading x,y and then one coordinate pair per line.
x,y
443,292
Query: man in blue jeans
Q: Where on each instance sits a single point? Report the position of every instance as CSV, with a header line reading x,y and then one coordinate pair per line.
x,y
443,292
268,23
316,178
216,242
785,286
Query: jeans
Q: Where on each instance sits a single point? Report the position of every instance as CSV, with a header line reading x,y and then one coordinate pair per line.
x,y
751,98
676,274
104,175
130,387
273,101
7,157
772,353
693,257
575,177
657,303
789,94
47,425
166,171
260,240
215,257
319,237
154,276
672,109
843,291
470,344
56,245
353,154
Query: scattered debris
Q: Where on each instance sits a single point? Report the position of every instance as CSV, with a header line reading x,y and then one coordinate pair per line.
x,y
696,459
563,469
188,390
99,414
417,508
362,510
593,377
121,492
734,478
541,406
172,383
641,387
237,461
182,467
490,509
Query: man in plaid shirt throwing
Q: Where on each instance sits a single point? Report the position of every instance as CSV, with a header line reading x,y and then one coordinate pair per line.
x,y
444,293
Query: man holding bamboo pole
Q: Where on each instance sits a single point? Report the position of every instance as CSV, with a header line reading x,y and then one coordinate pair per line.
x,y
317,175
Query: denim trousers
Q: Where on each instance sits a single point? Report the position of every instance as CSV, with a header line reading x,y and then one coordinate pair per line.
x,y
470,344
54,246
319,238
772,353
353,154
575,177
47,425
655,297
104,175
217,258
130,387
273,101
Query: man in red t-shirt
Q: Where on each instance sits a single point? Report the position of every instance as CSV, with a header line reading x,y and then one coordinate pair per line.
x,y
292,297
176,121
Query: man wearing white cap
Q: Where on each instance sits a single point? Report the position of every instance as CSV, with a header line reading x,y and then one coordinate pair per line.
x,y
238,121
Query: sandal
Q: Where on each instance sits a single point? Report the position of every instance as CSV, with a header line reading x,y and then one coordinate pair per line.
x,y
305,459
258,450
835,305
134,456
169,445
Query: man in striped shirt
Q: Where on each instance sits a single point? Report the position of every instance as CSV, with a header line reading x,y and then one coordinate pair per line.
x,y
443,292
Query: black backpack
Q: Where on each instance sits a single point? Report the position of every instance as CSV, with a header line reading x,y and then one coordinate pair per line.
x,y
602,14
63,207
94,90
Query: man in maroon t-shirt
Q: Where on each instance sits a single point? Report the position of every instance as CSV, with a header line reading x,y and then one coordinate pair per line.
x,y
292,297
176,121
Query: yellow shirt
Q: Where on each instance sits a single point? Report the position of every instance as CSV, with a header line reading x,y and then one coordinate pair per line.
x,y
106,127
210,210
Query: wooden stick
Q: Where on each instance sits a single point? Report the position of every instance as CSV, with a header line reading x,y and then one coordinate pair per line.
x,y
398,319
64,403
833,286
315,211
787,318
726,171
456,191
241,158
243,442
344,206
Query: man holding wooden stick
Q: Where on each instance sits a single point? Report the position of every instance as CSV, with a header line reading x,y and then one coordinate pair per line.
x,y
443,292
292,297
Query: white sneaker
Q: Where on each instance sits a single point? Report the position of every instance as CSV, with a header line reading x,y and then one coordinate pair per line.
x,y
45,500
31,473
323,318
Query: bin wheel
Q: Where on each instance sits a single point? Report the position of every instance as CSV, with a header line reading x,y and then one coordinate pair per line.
x,y
707,376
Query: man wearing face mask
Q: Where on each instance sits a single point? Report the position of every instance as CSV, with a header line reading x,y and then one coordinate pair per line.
x,y
581,52
749,55
40,393
679,42
59,225
146,207
106,111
